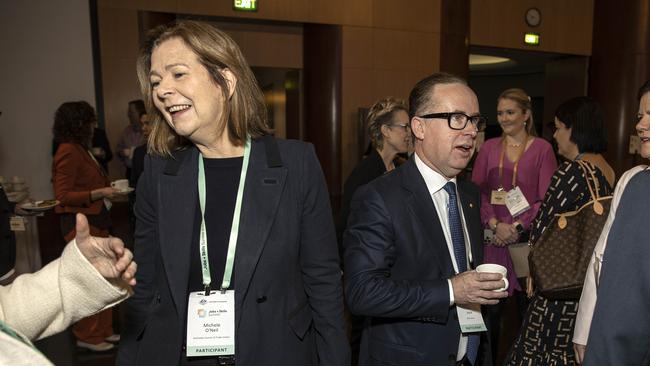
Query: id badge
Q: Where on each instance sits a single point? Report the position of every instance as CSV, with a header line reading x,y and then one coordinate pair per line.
x,y
516,202
470,318
17,223
211,324
498,197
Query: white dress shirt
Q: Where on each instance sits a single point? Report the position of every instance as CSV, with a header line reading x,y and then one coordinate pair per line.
x,y
435,183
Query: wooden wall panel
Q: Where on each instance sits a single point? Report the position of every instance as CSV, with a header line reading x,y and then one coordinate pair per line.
x,y
285,10
417,15
343,12
395,49
270,49
357,47
378,63
118,34
387,46
566,25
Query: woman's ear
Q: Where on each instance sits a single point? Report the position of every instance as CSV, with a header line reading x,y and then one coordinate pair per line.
x,y
384,130
231,80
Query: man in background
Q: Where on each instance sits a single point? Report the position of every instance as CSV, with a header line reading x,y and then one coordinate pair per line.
x,y
132,136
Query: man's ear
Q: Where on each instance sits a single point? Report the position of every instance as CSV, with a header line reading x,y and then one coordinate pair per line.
x,y
231,80
417,126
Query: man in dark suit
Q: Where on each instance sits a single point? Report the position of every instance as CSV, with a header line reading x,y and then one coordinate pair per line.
x,y
413,237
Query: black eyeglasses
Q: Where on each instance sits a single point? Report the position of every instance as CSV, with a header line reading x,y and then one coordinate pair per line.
x,y
458,120
405,126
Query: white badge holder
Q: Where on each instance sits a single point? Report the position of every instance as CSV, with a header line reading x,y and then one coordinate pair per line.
x,y
211,324
516,202
470,318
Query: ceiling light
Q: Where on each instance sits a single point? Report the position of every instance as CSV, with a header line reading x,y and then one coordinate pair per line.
x,y
475,60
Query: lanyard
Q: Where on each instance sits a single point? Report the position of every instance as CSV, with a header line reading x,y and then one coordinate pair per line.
x,y
234,228
516,162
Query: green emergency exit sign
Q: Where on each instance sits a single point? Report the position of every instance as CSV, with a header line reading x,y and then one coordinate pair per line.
x,y
245,5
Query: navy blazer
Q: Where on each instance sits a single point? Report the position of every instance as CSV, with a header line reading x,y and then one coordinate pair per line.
x,y
288,298
396,270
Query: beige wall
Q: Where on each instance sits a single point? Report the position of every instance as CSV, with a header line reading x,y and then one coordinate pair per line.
x,y
566,25
46,60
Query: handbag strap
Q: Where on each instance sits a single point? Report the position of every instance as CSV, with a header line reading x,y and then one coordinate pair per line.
x,y
586,169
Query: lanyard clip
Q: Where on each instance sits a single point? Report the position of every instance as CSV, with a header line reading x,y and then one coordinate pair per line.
x,y
207,290
223,290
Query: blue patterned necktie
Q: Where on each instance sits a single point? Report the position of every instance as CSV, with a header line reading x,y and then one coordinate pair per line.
x,y
458,240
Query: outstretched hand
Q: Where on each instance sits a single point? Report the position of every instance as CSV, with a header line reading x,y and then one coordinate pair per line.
x,y
108,255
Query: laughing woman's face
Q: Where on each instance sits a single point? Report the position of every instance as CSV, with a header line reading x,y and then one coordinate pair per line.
x,y
643,125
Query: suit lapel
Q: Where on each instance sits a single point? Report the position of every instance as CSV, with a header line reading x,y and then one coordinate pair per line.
x,y
177,202
422,208
262,193
474,228
90,160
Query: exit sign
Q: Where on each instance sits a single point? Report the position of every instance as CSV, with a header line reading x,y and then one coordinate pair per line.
x,y
245,5
531,39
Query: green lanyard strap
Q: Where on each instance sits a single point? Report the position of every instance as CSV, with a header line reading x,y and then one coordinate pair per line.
x,y
234,228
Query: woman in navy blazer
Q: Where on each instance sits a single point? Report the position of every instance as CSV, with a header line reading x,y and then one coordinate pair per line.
x,y
208,110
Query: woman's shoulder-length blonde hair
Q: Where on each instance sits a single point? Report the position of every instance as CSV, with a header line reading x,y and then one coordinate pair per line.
x,y
244,114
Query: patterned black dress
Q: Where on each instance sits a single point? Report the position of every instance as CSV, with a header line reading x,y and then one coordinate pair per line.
x,y
546,334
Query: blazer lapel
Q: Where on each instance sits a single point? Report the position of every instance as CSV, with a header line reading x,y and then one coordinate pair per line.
x,y
90,160
421,205
262,193
177,202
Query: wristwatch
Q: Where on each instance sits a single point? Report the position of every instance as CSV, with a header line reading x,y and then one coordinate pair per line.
x,y
520,229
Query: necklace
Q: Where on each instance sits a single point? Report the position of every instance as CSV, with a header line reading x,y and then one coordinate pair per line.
x,y
514,145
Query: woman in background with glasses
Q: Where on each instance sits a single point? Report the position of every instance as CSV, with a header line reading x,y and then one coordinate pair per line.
x,y
519,166
390,134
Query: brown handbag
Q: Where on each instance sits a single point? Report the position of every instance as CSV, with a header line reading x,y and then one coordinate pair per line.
x,y
559,258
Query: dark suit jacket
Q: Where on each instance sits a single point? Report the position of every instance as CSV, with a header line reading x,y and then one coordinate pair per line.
x,y
369,168
137,164
288,298
396,270
620,328
7,237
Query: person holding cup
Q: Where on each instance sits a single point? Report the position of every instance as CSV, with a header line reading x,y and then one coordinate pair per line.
x,y
81,186
519,165
547,330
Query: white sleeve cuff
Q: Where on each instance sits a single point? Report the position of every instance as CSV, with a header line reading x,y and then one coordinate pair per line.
x,y
451,293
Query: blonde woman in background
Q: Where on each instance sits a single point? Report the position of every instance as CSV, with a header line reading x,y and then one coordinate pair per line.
x,y
516,160
390,134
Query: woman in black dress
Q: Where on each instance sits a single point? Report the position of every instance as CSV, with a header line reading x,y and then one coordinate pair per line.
x,y
546,333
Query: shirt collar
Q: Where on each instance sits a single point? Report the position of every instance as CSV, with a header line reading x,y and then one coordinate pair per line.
x,y
434,180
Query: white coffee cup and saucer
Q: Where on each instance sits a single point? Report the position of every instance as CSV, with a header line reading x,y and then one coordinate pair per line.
x,y
122,186
495,268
